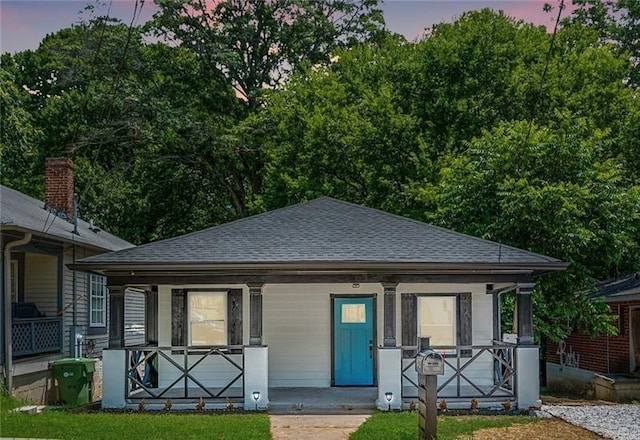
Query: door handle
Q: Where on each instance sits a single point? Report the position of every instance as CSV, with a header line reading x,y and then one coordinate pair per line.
x,y
370,349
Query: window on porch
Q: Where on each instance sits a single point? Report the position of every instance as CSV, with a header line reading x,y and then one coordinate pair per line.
x,y
446,318
97,300
207,318
437,319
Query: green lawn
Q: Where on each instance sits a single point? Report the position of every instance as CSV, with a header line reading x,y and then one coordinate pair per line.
x,y
61,424
404,425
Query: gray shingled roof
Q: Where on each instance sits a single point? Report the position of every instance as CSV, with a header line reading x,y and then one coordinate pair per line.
x,y
322,230
21,212
628,284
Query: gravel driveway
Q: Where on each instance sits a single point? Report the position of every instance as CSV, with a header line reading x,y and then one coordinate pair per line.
x,y
618,422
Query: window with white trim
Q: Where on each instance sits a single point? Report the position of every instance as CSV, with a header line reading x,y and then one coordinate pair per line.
x,y
207,317
437,319
97,300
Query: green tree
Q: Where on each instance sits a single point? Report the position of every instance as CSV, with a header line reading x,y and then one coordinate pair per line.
x,y
18,136
552,191
256,44
614,20
340,130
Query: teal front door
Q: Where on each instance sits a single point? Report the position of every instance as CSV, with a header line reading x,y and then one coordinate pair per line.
x,y
353,341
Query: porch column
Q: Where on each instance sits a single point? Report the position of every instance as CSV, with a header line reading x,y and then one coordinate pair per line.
x,y
524,294
389,314
389,378
114,380
151,315
255,314
116,316
256,378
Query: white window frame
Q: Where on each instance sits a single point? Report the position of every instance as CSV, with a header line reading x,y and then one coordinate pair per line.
x,y
223,295
454,325
97,294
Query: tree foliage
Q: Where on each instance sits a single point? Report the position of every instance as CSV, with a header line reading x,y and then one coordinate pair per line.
x,y
256,44
481,126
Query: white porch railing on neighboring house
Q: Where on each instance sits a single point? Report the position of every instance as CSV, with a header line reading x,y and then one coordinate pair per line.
x,y
486,371
36,335
211,373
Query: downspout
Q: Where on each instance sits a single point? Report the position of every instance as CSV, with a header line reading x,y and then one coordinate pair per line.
x,y
8,346
74,288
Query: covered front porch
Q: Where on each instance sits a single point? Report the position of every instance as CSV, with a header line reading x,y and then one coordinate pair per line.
x,y
246,376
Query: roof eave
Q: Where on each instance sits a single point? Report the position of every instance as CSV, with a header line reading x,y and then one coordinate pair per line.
x,y
326,267
54,237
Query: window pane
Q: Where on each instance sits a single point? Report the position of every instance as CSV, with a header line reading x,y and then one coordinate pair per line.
x,y
97,300
437,319
353,313
208,333
207,307
207,318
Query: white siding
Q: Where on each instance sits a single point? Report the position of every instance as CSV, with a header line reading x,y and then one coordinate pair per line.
x,y
41,282
297,330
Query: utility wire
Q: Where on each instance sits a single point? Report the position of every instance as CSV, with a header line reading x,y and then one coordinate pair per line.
x,y
137,11
534,110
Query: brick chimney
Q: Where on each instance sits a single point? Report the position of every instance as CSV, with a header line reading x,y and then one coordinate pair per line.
x,y
58,184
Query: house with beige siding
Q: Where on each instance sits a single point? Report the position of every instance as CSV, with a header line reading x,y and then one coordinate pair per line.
x,y
49,310
323,295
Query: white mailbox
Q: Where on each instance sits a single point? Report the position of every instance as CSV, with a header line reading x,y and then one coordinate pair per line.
x,y
429,363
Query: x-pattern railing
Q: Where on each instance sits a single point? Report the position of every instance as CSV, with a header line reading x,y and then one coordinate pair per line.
x,y
504,370
142,359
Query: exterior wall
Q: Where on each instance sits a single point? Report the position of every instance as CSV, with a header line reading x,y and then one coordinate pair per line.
x,y
41,282
605,354
481,370
93,344
297,330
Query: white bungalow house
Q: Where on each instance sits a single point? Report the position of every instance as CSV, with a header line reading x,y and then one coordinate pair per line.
x,y
49,311
320,295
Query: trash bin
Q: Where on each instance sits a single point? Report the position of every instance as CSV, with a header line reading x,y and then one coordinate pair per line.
x,y
75,380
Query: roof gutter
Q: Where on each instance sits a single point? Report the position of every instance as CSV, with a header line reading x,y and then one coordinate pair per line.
x,y
314,267
51,237
8,346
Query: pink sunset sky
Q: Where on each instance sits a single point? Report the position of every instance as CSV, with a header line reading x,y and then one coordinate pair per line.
x,y
23,23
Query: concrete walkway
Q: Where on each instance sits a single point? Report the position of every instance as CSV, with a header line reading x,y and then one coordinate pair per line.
x,y
320,427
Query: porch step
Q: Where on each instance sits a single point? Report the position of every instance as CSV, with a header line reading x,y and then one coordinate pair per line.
x,y
348,400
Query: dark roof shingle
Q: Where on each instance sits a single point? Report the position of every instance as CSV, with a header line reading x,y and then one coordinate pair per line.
x,y
323,230
19,211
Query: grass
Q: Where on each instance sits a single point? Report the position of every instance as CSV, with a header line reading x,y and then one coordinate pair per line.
x,y
61,424
404,425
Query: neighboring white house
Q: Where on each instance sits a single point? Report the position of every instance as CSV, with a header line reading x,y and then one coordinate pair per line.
x,y
317,295
50,311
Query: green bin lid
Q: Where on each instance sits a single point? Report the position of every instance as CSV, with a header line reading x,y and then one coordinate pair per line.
x,y
89,363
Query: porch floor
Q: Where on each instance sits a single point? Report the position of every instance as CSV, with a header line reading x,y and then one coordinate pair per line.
x,y
356,400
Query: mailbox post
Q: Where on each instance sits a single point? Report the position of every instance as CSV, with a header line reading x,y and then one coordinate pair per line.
x,y
429,365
